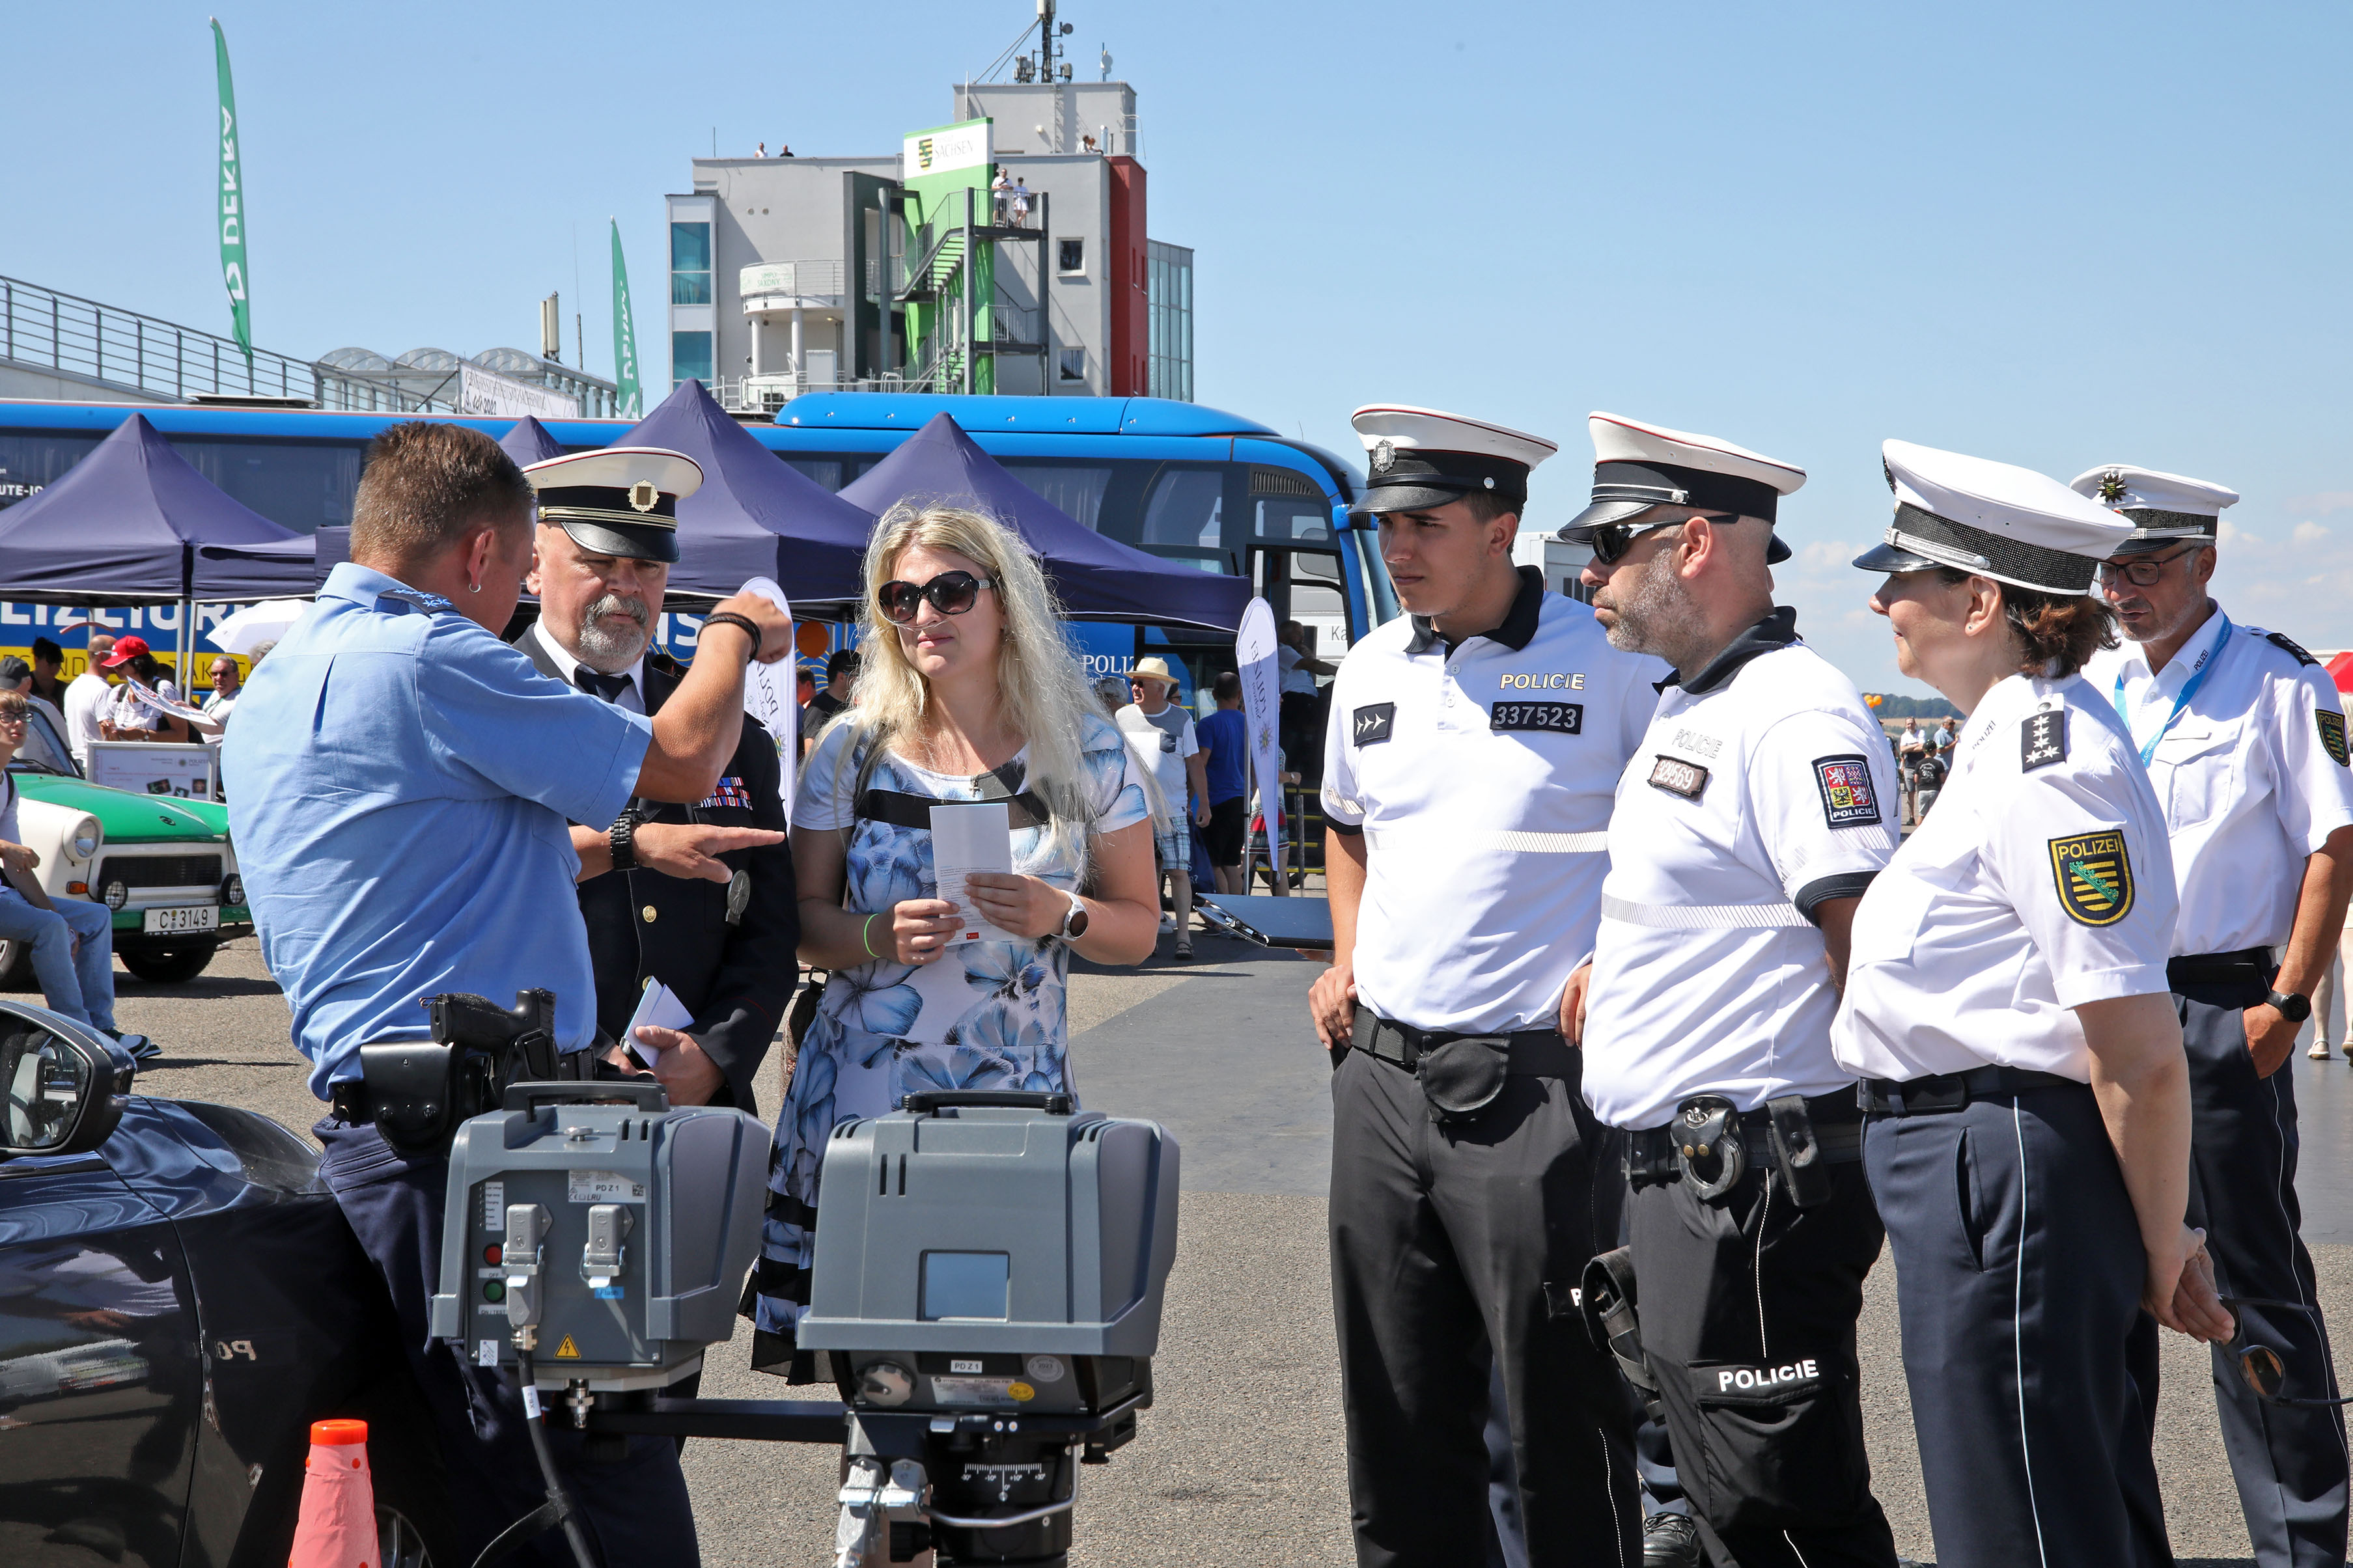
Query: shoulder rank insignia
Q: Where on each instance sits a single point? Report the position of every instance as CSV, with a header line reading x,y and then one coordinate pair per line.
x,y
2043,740
2332,734
1369,726
2287,643
2095,876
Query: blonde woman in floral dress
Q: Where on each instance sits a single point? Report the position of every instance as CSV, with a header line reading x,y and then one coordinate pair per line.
x,y
968,692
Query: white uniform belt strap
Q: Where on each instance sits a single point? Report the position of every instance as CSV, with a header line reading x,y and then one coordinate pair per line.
x,y
1459,839
1702,917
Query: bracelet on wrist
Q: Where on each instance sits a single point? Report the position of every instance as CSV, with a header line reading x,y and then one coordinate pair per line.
x,y
730,619
866,934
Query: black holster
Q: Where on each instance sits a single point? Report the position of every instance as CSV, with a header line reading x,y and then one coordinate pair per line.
x,y
420,1091
1607,1297
1804,1171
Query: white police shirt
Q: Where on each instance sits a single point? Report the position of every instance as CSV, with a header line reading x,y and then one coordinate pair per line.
x,y
1763,790
1482,779
2042,881
2251,771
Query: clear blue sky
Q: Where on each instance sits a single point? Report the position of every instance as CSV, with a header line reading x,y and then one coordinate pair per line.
x,y
2053,235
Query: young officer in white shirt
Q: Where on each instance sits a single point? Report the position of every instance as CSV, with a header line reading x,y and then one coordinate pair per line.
x,y
2026,1097
1760,806
1472,749
2244,736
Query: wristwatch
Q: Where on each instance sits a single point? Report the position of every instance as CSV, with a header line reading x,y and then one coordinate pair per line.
x,y
623,838
2295,1009
1074,924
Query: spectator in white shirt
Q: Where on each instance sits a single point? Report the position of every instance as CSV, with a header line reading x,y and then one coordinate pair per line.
x,y
86,694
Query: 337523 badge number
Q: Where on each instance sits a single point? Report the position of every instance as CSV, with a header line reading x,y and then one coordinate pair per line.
x,y
1547,718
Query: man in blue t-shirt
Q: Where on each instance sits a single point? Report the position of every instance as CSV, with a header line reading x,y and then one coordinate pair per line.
x,y
1224,736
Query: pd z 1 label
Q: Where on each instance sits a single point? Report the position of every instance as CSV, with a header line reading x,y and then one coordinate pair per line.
x,y
1551,718
1370,725
1678,777
1848,800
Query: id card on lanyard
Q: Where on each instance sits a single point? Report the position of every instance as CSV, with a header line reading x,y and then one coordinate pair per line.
x,y
2189,689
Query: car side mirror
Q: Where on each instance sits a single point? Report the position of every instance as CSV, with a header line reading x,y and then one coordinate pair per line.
x,y
62,1085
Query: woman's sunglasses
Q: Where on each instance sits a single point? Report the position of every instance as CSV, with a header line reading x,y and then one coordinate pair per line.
x,y
2264,1368
1612,540
951,594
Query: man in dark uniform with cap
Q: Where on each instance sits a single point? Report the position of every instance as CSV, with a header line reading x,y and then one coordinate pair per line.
x,y
718,930
1473,750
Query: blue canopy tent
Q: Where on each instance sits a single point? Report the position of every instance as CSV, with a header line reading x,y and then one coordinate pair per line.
x,y
135,523
755,516
1097,579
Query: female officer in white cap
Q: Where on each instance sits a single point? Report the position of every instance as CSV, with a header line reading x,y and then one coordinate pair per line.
x,y
2027,1101
2244,736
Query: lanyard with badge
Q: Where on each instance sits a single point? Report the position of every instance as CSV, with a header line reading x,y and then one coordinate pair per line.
x,y
2189,689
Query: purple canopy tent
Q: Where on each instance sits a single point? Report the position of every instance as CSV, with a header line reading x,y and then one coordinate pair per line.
x,y
135,523
1097,579
529,443
756,516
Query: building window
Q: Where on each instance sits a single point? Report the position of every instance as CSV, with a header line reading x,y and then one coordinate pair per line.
x,y
1074,364
689,264
1071,255
689,357
1168,288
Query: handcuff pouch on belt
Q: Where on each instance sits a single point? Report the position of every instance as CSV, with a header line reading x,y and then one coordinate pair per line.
x,y
1606,1295
1462,1076
1709,1140
420,1091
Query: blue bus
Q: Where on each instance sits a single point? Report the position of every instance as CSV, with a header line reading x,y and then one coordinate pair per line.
x,y
1182,481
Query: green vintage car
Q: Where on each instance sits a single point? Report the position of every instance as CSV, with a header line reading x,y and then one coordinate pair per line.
x,y
162,864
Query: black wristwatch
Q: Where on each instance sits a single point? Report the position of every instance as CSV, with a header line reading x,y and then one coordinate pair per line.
x,y
623,838
2295,1009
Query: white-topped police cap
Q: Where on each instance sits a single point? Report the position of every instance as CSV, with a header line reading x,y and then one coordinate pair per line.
x,y
1637,466
1420,457
1990,519
2162,508
617,500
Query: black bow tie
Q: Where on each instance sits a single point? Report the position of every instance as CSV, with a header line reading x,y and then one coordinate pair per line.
x,y
608,687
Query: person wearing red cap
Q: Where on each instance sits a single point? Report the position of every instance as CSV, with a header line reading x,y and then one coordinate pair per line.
x,y
127,718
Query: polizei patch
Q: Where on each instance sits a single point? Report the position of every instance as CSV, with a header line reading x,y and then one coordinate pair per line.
x,y
2095,876
1678,777
1848,799
1371,724
1549,718
2043,740
2332,734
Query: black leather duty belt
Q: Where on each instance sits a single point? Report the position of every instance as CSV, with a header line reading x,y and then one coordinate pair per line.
x,y
1951,1091
1538,1053
1657,1148
348,1101
2212,968
1710,1145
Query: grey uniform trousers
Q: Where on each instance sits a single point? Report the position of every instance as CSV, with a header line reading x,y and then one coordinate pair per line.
x,y
1447,1239
2290,1465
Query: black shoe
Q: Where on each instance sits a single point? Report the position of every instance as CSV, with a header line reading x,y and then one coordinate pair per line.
x,y
1671,1540
141,1048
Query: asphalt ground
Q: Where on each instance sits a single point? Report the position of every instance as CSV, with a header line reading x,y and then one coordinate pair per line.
x,y
1241,1460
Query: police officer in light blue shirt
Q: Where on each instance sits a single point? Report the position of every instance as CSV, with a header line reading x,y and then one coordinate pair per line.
x,y
402,782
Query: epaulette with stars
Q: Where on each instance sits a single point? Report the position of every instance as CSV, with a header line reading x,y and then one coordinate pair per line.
x,y
2285,643
2043,740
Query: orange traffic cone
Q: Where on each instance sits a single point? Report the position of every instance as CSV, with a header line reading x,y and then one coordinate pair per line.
x,y
337,1527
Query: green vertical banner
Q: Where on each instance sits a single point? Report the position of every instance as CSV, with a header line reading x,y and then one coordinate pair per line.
x,y
232,202
624,331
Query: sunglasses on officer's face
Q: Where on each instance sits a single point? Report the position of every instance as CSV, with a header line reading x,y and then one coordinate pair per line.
x,y
951,594
1611,540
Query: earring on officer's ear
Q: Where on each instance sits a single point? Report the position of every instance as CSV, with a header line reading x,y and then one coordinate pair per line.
x,y
473,587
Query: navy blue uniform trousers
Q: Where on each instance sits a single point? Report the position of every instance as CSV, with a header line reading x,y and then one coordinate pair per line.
x,y
1447,1239
2018,1271
635,1508
2290,1465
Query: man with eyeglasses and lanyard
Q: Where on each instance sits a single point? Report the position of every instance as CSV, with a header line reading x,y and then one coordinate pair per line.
x,y
1760,806
2244,736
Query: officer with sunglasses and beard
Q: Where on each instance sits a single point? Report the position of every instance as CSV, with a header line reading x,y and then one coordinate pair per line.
x,y
716,924
1473,745
2244,736
1759,806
